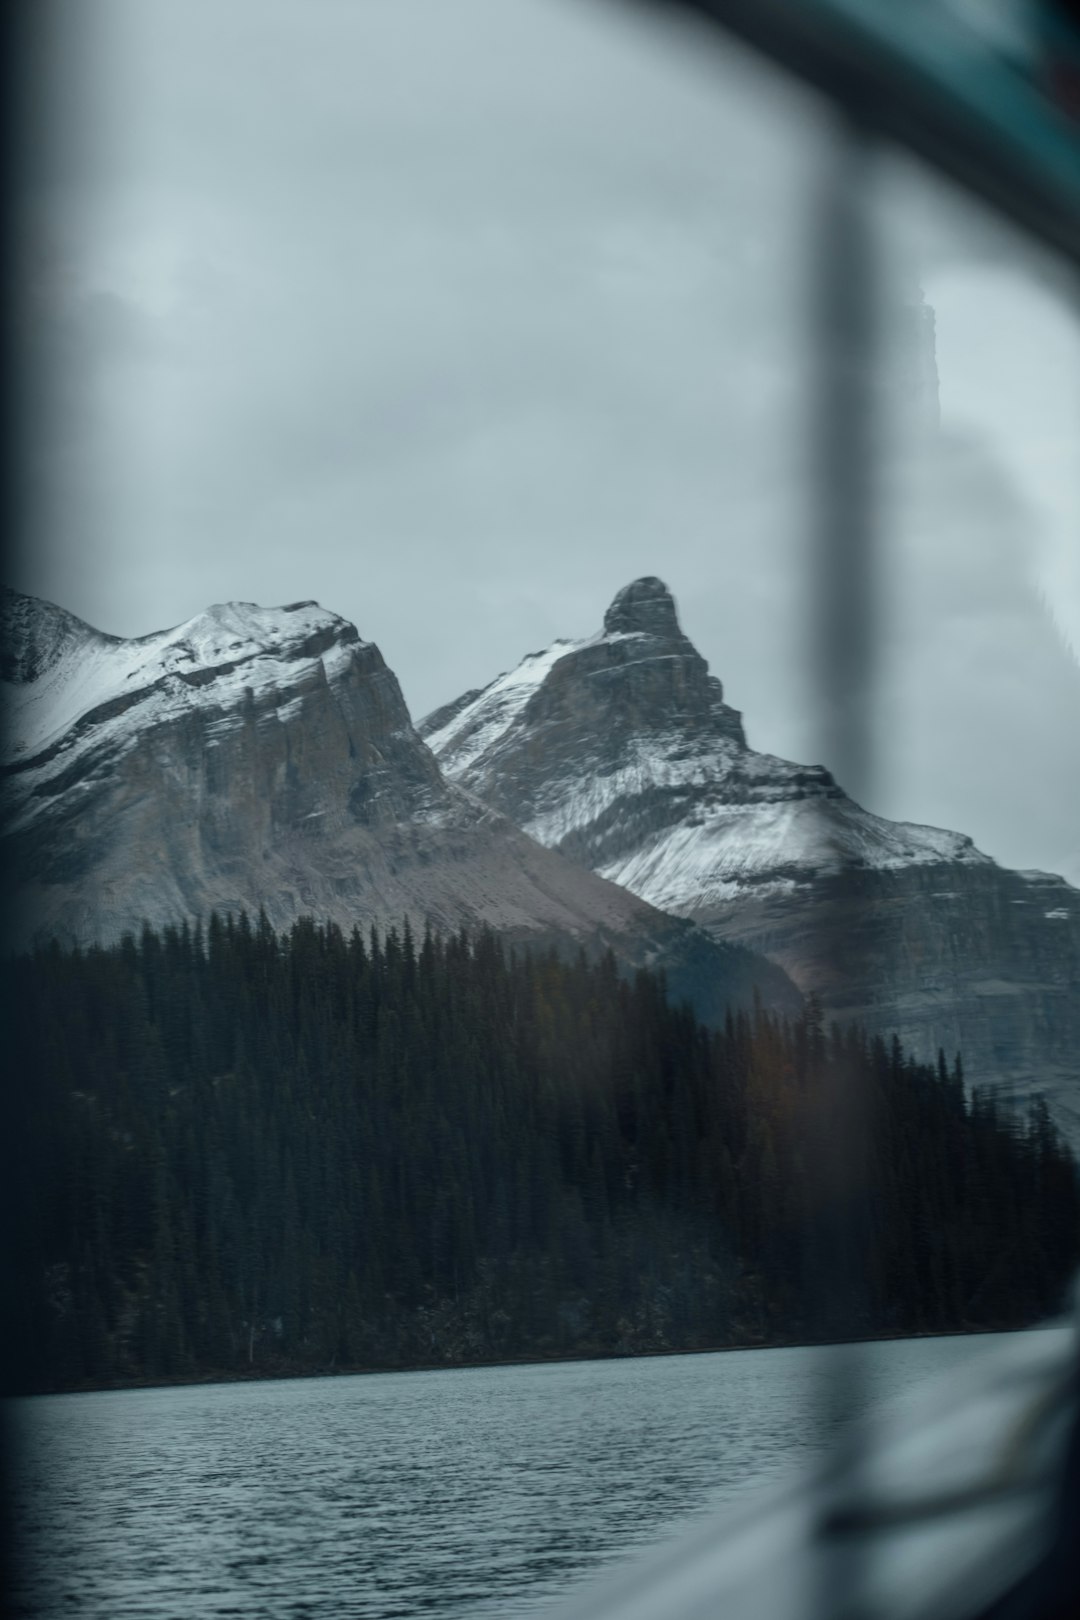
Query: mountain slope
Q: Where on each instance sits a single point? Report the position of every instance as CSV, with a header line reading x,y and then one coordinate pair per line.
x,y
259,757
620,752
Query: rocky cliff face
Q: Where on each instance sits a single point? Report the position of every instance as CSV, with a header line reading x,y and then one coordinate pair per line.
x,y
620,752
265,758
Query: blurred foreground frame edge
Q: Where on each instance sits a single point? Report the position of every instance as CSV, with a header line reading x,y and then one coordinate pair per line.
x,y
996,132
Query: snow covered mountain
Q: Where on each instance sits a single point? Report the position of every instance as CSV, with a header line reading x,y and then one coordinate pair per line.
x,y
620,752
265,757
647,776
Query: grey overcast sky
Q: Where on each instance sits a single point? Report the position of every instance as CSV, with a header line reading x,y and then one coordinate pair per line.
x,y
457,316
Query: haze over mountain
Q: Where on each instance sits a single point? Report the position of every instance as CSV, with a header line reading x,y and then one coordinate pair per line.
x,y
619,751
264,758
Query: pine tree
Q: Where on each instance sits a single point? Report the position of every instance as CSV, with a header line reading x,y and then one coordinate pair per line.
x,y
244,1153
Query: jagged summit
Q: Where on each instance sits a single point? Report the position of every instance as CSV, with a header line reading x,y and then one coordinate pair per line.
x,y
638,680
620,751
644,607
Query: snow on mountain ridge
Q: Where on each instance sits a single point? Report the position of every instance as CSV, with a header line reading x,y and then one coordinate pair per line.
x,y
754,813
718,813
35,635
460,733
770,847
82,693
477,726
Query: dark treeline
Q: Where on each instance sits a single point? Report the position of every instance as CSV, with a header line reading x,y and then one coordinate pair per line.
x,y
239,1153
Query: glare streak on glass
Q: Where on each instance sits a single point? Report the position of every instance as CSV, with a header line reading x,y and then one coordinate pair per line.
x,y
844,608
843,642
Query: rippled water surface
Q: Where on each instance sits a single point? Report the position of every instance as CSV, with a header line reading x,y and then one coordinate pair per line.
x,y
435,1493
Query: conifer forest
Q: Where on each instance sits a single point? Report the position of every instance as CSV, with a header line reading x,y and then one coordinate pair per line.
x,y
241,1154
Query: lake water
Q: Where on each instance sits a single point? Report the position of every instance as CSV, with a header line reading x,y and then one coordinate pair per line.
x,y
453,1494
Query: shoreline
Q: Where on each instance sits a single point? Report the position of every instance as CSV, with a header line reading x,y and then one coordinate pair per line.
x,y
266,1376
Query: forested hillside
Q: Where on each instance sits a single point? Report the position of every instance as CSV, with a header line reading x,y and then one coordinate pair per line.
x,y
239,1153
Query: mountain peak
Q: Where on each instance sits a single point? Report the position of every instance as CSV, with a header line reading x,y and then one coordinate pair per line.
x,y
73,691
228,629
644,607
35,635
